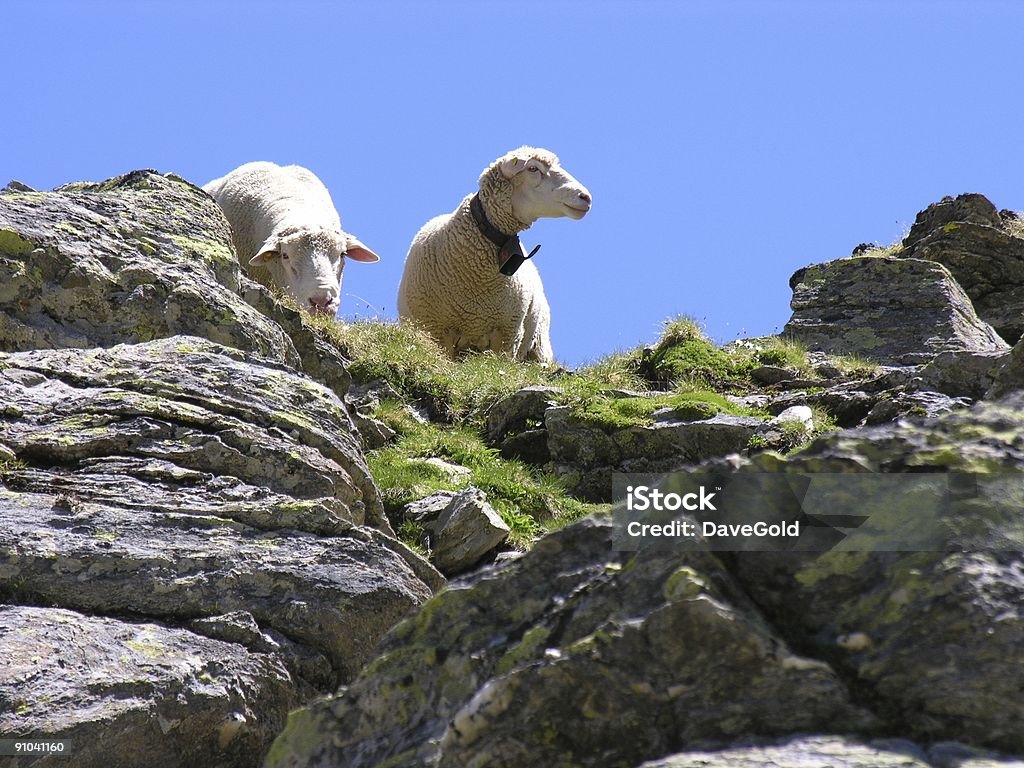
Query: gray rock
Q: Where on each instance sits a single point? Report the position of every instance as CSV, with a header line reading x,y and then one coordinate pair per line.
x,y
462,528
427,509
683,442
828,370
194,481
803,752
770,374
947,754
963,374
579,444
1010,376
138,257
530,446
519,410
896,311
913,607
580,654
128,693
203,408
236,627
586,455
17,186
849,403
370,394
985,255
318,357
179,479
373,433
791,428
797,414
903,404
577,655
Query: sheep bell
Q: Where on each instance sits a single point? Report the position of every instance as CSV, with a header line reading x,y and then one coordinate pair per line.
x,y
512,255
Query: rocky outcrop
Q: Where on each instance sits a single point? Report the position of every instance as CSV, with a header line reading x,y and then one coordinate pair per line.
x,y
622,646
956,599
193,544
983,249
161,483
586,455
188,514
837,752
1010,377
135,258
580,654
893,311
128,692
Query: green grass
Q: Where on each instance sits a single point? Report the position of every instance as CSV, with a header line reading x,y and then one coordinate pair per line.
x,y
685,405
855,366
9,465
461,391
784,353
884,251
683,372
684,355
529,501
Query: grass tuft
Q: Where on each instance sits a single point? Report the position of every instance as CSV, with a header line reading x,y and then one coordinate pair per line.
x,y
527,500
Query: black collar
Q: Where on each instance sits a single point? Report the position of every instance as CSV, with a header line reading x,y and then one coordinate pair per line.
x,y
510,251
489,231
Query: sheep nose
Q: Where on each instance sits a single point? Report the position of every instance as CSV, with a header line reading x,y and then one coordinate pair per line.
x,y
321,302
585,196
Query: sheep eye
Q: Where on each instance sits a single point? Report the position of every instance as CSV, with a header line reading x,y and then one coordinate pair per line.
x,y
284,256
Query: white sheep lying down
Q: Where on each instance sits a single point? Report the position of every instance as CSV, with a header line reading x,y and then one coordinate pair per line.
x,y
287,231
451,284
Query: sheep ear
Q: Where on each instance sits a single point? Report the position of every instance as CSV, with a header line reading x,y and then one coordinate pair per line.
x,y
265,253
512,166
359,252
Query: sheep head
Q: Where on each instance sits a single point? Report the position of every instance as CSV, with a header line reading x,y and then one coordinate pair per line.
x,y
307,264
540,187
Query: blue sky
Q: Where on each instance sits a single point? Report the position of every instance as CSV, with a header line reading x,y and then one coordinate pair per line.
x,y
726,143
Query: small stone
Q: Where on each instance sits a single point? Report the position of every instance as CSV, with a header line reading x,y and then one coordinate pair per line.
x,y
516,412
462,526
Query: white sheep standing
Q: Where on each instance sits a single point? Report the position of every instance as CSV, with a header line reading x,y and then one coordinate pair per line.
x,y
451,284
287,231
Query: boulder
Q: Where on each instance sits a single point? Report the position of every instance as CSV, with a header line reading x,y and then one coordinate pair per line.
x,y
983,249
573,654
579,653
963,374
1010,376
119,690
519,411
169,472
837,752
889,310
586,455
461,528
178,479
804,752
938,634
138,257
